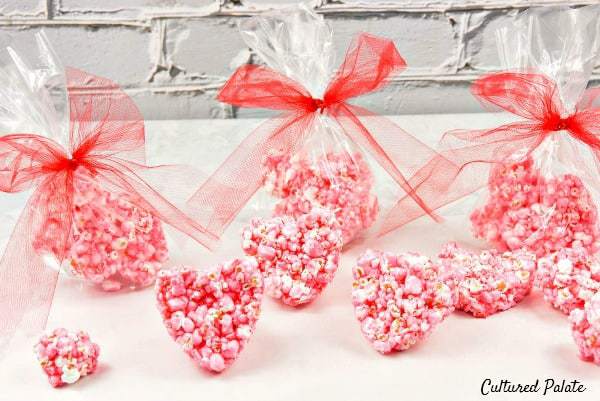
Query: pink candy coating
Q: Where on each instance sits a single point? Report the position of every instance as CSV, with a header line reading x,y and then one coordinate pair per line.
x,y
212,313
489,282
114,243
299,257
525,209
399,298
568,278
585,326
340,181
66,356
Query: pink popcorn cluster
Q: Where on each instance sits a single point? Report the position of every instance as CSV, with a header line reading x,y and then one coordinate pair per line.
x,y
399,298
212,313
489,282
114,243
298,256
338,181
524,209
568,278
585,326
66,356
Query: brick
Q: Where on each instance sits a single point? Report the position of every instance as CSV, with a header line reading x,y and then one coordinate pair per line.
x,y
22,8
171,105
136,8
424,41
204,47
118,53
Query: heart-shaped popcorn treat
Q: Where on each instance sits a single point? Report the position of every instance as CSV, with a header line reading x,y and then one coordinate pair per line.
x,y
544,215
66,356
211,313
568,278
114,242
339,181
491,281
399,298
585,326
299,257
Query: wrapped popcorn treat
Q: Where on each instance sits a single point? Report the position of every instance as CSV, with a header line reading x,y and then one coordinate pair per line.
x,y
537,175
320,151
76,142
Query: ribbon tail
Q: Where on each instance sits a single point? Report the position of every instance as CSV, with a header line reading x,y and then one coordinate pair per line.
x,y
398,152
27,284
221,197
459,170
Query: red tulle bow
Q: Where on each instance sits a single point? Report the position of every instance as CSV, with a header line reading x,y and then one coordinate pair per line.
x,y
459,169
368,63
107,143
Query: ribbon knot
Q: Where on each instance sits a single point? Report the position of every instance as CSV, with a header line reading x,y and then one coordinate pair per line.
x,y
368,64
557,123
318,105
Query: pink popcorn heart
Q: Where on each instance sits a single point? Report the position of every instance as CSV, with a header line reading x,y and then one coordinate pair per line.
x,y
66,356
491,281
585,326
568,278
338,181
299,257
212,313
114,243
544,215
399,298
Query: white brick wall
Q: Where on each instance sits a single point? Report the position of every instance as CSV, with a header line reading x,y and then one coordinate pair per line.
x,y
173,55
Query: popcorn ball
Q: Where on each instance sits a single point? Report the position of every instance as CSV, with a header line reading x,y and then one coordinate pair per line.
x,y
399,298
339,181
66,356
113,242
585,326
524,209
489,282
299,257
568,278
211,314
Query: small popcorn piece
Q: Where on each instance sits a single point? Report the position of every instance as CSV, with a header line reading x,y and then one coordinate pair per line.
x,y
543,215
489,282
568,278
66,356
299,257
338,181
399,298
211,314
585,326
114,243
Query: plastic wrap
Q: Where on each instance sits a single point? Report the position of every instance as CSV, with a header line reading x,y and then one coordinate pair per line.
x,y
320,151
75,144
541,171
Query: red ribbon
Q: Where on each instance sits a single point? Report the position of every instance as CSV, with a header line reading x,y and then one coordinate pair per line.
x,y
369,61
107,143
457,170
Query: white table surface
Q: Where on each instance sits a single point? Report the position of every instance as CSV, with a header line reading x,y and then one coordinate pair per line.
x,y
312,353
